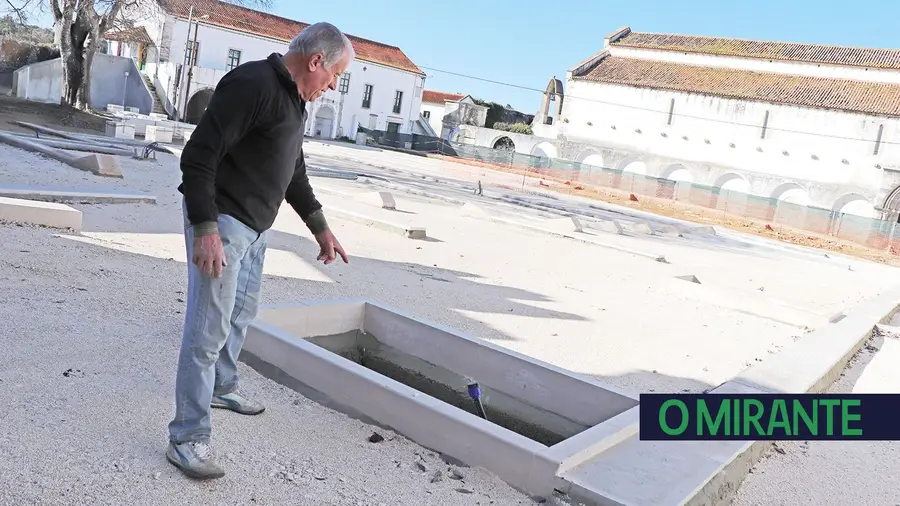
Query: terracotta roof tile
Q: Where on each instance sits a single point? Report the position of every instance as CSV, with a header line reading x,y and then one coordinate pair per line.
x,y
137,34
264,24
804,91
789,51
439,97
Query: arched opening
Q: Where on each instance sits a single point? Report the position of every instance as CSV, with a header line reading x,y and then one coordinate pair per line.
x,y
892,202
733,183
324,122
791,193
855,204
545,150
197,105
632,165
677,172
590,158
504,143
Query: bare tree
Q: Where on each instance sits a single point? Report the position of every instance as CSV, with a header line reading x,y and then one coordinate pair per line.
x,y
79,26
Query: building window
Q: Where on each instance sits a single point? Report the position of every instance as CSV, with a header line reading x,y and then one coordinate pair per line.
x,y
192,51
393,128
398,101
233,60
367,97
426,114
344,85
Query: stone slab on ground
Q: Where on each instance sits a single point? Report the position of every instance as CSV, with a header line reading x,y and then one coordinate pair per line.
x,y
695,473
381,199
48,214
76,195
100,164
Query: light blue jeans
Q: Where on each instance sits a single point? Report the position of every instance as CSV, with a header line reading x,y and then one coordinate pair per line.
x,y
215,325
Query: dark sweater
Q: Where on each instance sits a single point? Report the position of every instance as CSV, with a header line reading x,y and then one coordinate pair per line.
x,y
246,155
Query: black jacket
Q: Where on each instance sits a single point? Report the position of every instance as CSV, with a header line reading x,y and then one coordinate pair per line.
x,y
246,155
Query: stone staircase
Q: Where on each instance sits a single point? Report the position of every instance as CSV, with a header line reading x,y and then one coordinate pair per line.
x,y
157,101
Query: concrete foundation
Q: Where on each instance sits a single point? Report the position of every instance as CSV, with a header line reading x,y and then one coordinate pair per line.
x,y
156,133
530,400
119,130
46,214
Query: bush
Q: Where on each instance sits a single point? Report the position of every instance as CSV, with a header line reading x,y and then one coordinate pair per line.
x,y
516,128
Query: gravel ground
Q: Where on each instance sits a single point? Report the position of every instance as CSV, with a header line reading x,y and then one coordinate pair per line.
x,y
104,309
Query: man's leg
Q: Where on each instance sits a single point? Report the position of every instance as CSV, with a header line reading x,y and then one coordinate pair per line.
x,y
210,302
246,307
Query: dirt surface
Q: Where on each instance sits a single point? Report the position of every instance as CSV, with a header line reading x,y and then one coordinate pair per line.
x,y
700,214
14,109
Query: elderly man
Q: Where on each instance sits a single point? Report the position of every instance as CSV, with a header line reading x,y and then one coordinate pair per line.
x,y
242,161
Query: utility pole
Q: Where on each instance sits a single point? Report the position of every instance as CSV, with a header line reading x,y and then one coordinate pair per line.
x,y
193,56
177,90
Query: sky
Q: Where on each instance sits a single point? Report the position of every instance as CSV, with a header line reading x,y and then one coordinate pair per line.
x,y
511,42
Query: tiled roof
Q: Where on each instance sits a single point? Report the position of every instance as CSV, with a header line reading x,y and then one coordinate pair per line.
x,y
804,91
138,34
439,97
789,51
246,20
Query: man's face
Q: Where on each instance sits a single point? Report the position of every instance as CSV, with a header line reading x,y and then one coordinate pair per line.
x,y
319,80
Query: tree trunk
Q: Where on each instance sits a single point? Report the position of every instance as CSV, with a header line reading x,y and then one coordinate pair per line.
x,y
78,32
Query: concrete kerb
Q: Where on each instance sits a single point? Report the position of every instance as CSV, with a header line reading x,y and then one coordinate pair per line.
x,y
75,196
407,231
99,164
709,473
47,214
811,365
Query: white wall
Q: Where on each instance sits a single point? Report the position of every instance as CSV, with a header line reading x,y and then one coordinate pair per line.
x,y
704,128
436,112
215,42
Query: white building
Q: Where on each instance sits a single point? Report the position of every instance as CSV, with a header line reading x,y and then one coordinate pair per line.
x,y
435,104
806,123
381,90
444,111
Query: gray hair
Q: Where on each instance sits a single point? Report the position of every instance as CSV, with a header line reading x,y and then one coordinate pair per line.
x,y
322,38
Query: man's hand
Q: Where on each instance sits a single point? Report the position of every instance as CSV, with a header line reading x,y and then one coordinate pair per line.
x,y
328,246
209,255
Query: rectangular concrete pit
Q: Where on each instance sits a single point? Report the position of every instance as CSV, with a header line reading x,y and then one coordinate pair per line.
x,y
411,376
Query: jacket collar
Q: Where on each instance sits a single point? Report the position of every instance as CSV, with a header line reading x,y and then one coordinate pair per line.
x,y
275,59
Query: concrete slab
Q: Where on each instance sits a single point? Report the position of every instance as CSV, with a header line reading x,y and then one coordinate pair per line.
x,y
639,228
408,231
114,108
707,473
100,164
381,199
77,196
299,341
473,211
48,214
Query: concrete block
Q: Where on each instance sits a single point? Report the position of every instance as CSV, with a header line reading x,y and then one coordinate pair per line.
x,y
119,130
48,214
133,109
383,200
114,108
100,164
611,226
156,133
568,224
473,211
158,116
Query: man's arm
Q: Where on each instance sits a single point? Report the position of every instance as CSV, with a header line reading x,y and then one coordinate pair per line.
x,y
301,197
235,107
